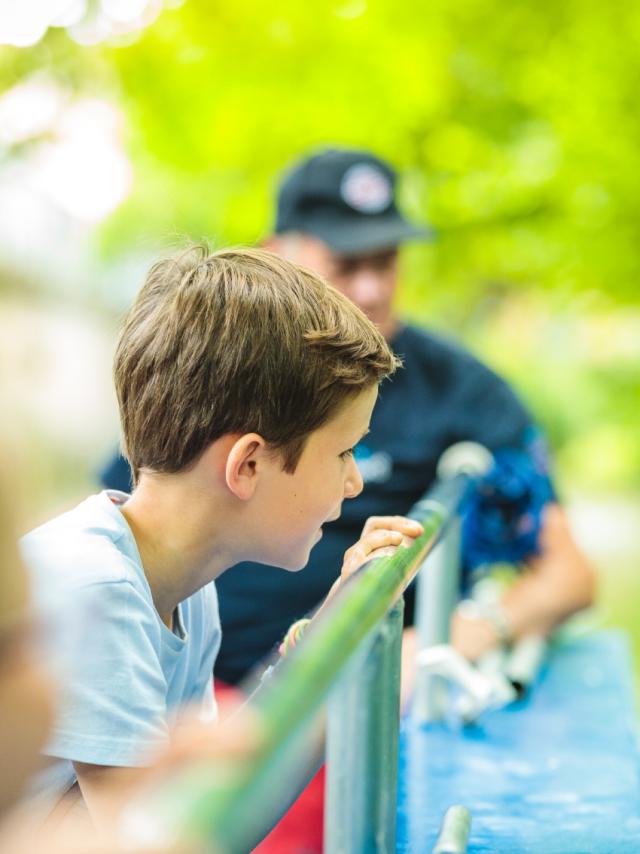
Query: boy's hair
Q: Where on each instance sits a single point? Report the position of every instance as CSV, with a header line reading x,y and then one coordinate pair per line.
x,y
237,341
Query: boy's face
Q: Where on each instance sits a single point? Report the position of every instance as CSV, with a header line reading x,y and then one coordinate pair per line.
x,y
294,506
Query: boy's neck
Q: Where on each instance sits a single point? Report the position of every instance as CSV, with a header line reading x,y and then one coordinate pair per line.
x,y
176,530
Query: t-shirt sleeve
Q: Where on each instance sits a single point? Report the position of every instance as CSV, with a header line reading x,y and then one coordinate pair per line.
x,y
492,414
113,710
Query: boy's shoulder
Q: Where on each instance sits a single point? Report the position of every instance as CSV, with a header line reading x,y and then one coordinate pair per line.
x,y
90,544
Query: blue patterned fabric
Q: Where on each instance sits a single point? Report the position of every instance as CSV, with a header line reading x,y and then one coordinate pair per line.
x,y
504,512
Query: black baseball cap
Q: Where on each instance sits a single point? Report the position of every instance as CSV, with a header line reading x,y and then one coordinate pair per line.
x,y
347,198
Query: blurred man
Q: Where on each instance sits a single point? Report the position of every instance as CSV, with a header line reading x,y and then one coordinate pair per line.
x,y
337,214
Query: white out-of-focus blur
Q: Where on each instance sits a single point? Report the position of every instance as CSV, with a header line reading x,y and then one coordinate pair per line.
x,y
65,170
24,23
84,171
56,397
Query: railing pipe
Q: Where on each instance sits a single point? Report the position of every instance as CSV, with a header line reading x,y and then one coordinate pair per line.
x,y
438,584
362,746
438,590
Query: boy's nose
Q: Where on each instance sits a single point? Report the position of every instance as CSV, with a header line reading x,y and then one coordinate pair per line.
x,y
354,484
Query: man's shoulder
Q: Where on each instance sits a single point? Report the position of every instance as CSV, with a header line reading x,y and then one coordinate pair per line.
x,y
467,398
436,351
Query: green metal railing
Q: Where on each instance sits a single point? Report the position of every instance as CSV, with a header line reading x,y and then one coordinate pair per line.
x,y
350,658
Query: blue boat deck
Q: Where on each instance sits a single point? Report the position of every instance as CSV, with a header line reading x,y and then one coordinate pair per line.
x,y
556,773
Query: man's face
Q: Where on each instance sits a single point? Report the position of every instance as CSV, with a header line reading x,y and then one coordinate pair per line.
x,y
368,280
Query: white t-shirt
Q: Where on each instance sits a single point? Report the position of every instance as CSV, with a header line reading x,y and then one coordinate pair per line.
x,y
130,674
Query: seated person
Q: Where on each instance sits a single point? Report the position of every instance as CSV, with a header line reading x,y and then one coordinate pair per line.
x,y
244,383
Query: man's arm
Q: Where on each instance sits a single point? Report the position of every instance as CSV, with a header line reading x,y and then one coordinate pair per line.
x,y
555,584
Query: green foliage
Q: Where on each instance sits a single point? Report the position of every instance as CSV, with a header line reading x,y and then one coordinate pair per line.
x,y
515,123
515,126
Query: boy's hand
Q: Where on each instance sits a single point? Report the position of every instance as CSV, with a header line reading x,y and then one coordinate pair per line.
x,y
381,535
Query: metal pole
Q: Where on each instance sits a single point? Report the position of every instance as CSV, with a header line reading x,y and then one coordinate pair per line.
x,y
437,593
362,746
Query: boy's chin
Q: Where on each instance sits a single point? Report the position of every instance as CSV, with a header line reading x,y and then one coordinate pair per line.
x,y
295,559
297,566
295,563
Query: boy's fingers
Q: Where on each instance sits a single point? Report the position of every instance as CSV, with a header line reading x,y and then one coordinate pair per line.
x,y
382,552
381,536
393,523
375,522
374,542
377,539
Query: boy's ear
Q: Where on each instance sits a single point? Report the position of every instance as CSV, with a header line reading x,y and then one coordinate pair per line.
x,y
243,464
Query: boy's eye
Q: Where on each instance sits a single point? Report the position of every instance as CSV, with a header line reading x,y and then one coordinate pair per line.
x,y
346,454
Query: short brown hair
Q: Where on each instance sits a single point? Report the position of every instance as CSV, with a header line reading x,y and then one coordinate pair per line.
x,y
237,341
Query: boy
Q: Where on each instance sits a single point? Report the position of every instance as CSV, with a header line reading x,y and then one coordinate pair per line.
x,y
244,383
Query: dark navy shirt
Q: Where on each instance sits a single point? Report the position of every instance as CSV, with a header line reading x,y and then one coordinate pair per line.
x,y
441,396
